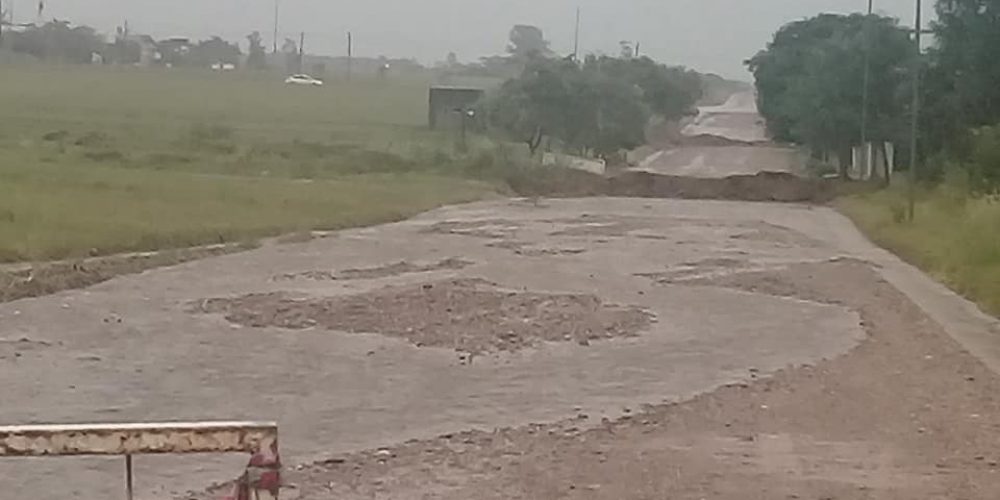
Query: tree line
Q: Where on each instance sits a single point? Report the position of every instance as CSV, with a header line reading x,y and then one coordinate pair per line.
x,y
596,106
63,42
811,87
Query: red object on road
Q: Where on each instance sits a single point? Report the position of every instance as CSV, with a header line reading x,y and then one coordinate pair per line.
x,y
263,475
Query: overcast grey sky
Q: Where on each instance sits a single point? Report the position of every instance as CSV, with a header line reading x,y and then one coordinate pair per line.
x,y
708,35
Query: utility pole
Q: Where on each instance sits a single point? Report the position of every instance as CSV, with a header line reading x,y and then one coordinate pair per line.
x,y
576,37
350,54
302,50
915,124
867,84
637,45
275,38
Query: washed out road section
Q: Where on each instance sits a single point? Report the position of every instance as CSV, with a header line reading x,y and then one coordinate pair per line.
x,y
142,347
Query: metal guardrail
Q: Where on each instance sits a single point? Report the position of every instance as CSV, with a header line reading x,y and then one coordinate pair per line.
x,y
259,439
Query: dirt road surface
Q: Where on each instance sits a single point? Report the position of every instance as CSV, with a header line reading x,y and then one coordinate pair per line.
x,y
736,119
598,348
724,140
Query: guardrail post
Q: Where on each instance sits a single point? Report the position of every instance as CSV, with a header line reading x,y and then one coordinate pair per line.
x,y
128,477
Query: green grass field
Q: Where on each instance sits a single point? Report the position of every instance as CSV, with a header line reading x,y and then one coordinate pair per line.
x,y
955,239
124,159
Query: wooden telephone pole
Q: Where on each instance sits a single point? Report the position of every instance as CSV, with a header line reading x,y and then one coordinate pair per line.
x,y
350,54
915,111
576,37
275,37
302,50
867,84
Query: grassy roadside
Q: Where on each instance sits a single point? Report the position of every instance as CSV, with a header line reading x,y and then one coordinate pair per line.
x,y
954,239
107,160
47,213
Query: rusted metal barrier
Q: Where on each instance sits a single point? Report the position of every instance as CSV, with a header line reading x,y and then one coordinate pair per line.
x,y
262,478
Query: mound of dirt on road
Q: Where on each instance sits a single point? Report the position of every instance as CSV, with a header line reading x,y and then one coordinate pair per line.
x,y
468,315
764,186
709,140
395,269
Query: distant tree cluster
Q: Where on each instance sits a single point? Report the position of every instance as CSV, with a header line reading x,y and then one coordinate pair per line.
x,y
62,42
599,107
257,53
57,41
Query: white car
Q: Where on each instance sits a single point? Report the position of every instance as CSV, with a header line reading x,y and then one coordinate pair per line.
x,y
303,80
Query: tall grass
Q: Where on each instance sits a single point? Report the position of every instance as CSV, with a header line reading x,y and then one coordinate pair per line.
x,y
105,160
955,238
52,212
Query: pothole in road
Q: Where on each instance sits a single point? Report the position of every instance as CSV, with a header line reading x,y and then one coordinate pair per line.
x,y
590,225
698,270
468,315
15,348
491,228
775,234
529,250
395,269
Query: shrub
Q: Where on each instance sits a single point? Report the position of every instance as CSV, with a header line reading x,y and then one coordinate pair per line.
x,y
104,155
94,140
213,138
55,136
984,167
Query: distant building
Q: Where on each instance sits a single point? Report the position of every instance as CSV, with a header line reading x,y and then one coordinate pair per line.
x,y
179,46
149,52
448,104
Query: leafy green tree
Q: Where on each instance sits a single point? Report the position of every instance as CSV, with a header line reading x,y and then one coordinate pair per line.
x,y
670,92
58,41
535,105
293,59
587,108
626,49
962,87
213,51
4,20
528,42
123,51
609,114
968,34
984,164
810,81
257,53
